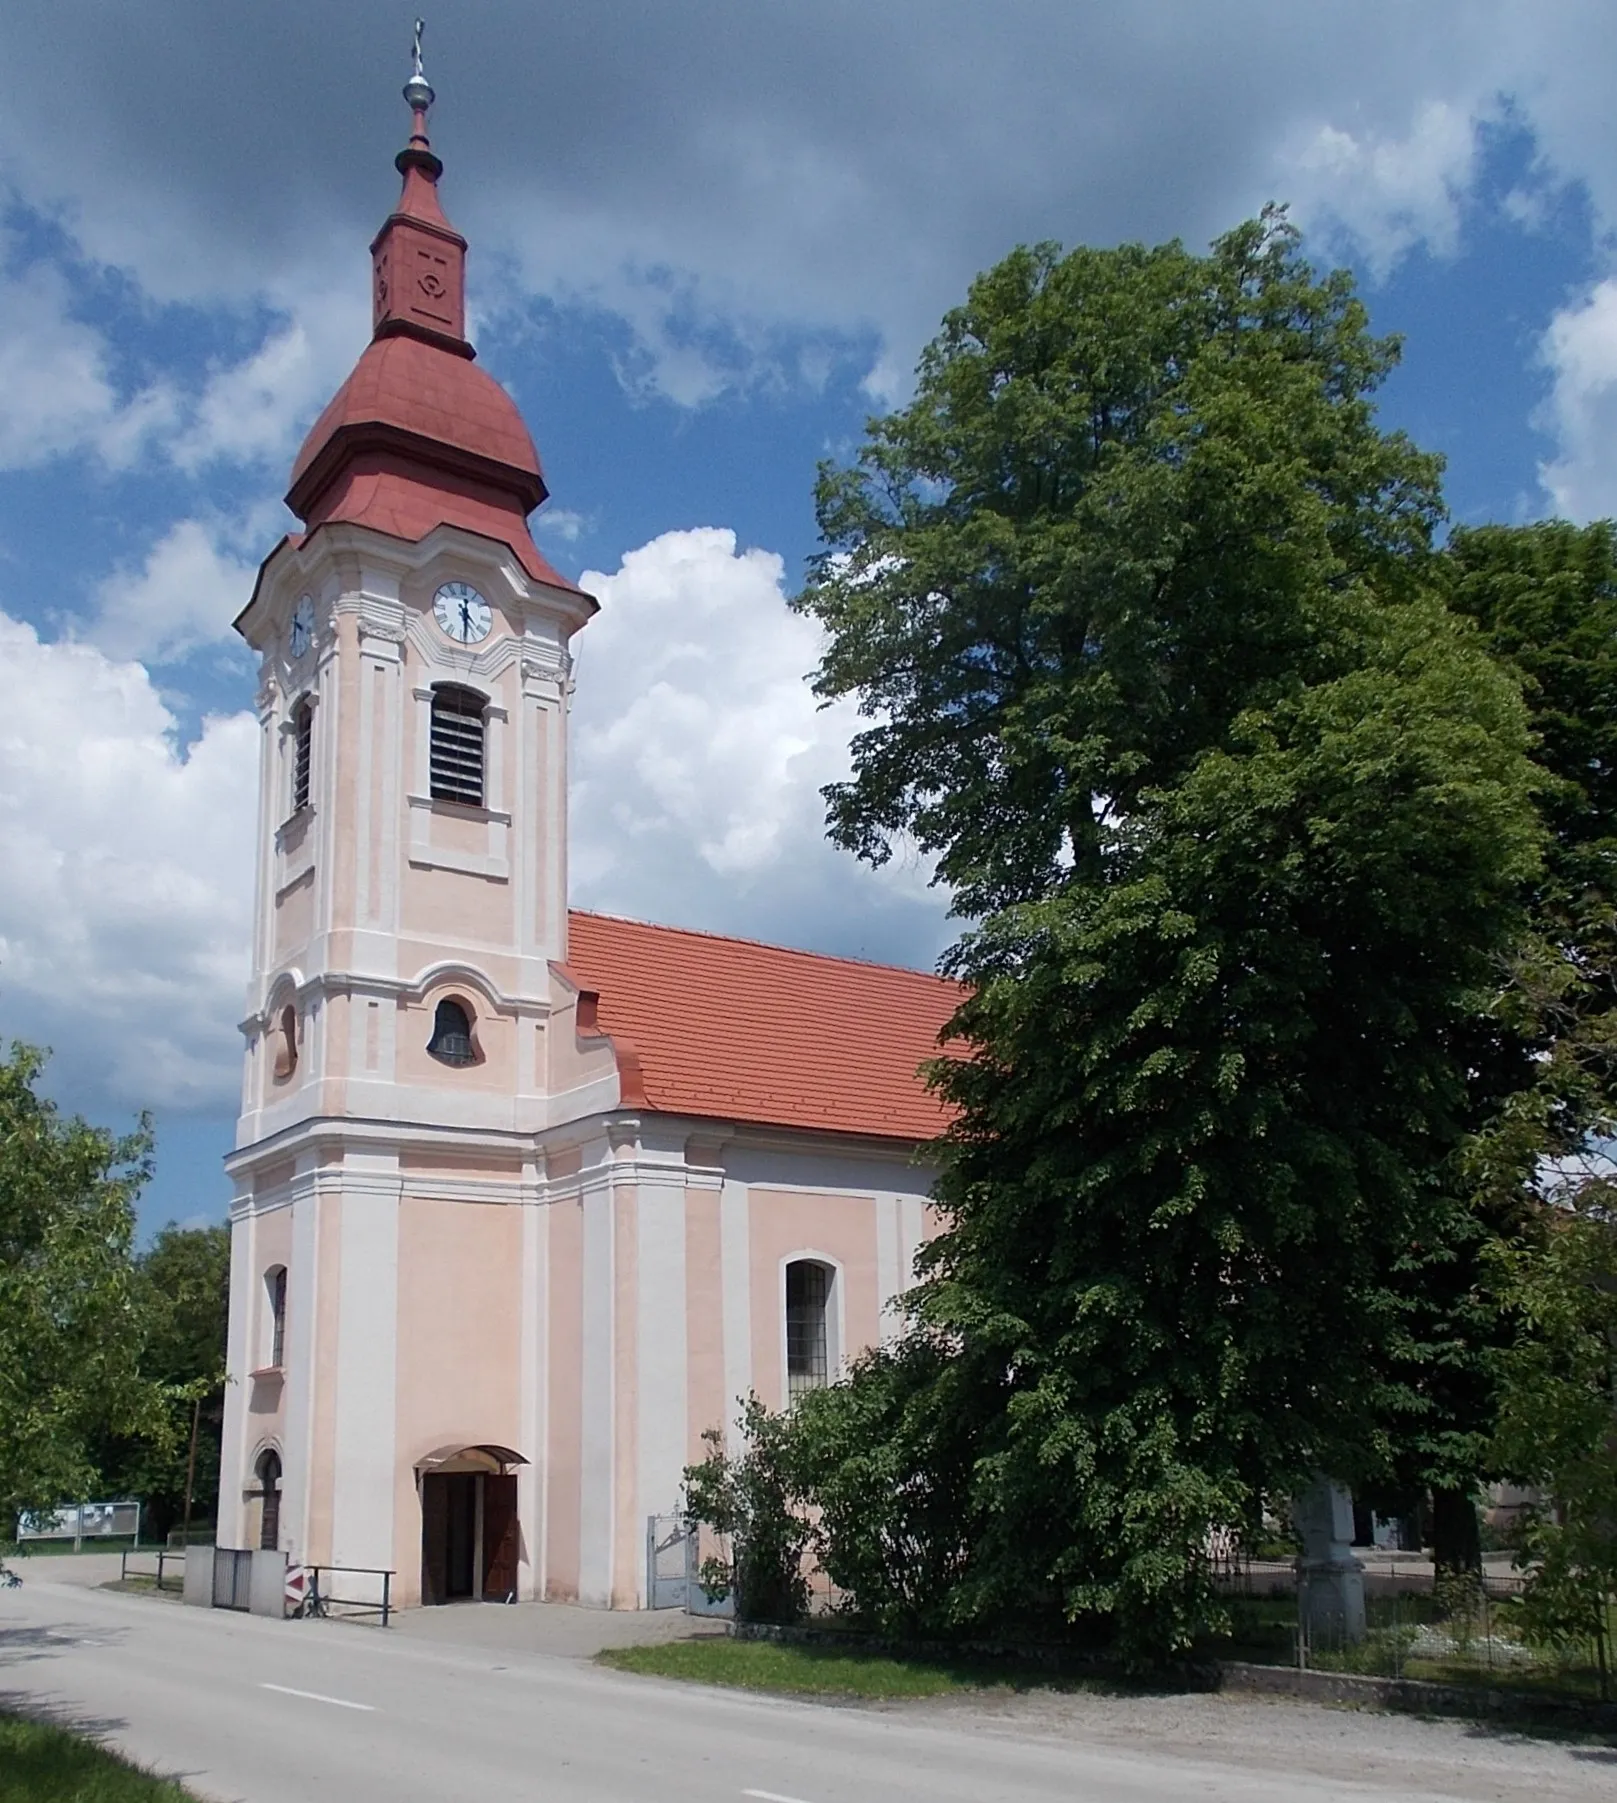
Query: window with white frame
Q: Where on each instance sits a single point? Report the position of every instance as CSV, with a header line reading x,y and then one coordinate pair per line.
x,y
808,1325
275,1296
455,759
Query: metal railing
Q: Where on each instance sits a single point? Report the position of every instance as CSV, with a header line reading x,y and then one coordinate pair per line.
x,y
164,1558
321,1603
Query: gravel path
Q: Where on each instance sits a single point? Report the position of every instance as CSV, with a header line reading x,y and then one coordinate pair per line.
x,y
1308,1740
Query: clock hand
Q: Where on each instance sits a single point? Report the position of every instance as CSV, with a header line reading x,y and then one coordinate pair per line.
x,y
465,621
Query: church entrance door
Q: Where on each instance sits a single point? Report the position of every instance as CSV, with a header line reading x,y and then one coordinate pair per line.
x,y
471,1539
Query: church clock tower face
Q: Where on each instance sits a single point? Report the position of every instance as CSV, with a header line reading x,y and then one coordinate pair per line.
x,y
462,613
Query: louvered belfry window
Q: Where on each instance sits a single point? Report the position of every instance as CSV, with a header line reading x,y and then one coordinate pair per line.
x,y
302,748
457,745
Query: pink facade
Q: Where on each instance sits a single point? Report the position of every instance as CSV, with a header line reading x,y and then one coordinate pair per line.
x,y
462,1255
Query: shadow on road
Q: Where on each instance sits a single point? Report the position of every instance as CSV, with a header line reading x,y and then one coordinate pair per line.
x,y
18,1645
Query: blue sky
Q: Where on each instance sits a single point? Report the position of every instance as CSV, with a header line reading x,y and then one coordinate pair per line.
x,y
707,242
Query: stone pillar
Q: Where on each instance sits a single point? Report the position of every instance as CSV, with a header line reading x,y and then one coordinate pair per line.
x,y
1330,1580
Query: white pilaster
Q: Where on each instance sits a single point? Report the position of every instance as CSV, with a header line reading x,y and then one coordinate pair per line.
x,y
302,1305
660,1347
735,1269
234,1452
365,1471
598,1386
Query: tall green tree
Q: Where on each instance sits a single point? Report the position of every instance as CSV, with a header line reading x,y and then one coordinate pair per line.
x,y
182,1296
1544,597
1137,600
70,1324
1558,1414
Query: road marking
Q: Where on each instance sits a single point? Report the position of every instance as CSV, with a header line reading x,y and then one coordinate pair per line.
x,y
770,1796
314,1696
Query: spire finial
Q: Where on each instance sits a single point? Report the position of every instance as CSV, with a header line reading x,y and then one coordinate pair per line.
x,y
418,96
418,90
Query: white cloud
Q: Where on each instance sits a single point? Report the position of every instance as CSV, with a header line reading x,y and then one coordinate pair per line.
x,y
185,593
699,754
726,181
1387,193
561,524
56,392
125,876
1580,349
254,411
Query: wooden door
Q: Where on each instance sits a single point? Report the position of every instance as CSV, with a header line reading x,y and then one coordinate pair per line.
x,y
434,1539
502,1540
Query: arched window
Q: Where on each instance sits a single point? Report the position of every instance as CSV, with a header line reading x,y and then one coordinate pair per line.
x,y
808,1335
451,1040
302,747
457,745
275,1292
284,1035
268,1472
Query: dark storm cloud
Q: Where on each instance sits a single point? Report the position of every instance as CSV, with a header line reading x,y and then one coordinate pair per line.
x,y
826,165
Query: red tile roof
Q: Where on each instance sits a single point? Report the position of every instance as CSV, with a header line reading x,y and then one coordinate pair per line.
x,y
739,1031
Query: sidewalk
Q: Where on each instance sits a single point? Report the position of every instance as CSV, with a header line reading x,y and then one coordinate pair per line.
x,y
562,1629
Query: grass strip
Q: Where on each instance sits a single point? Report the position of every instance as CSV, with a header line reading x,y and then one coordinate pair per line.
x,y
40,1763
826,1671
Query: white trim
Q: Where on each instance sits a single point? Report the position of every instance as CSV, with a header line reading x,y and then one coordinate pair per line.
x,y
363,1476
735,1289
661,1349
597,1431
302,1303
533,1478
890,1281
243,1240
912,1234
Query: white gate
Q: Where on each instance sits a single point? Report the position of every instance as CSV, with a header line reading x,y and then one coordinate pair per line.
x,y
668,1561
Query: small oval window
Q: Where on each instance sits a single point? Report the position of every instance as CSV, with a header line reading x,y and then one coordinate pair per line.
x,y
451,1041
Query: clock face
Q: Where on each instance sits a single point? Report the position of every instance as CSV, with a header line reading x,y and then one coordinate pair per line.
x,y
462,613
302,630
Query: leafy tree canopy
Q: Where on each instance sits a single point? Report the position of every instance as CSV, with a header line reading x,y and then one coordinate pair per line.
x,y
181,1295
1558,1422
70,1327
1544,597
1138,601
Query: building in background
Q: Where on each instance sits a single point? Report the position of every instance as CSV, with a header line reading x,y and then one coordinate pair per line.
x,y
525,1199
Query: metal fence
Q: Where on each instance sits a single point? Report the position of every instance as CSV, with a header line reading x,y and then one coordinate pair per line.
x,y
1457,1630
164,1567
358,1592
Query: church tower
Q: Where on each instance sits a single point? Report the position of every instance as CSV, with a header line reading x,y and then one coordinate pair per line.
x,y
411,896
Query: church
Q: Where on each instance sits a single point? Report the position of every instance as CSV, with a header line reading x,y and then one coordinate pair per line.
x,y
524,1198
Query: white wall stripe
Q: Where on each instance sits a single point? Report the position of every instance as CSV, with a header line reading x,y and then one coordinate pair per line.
x,y
735,1263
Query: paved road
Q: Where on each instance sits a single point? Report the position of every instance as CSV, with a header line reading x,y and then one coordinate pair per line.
x,y
274,1712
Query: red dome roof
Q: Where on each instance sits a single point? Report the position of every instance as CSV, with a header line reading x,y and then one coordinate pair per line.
x,y
405,385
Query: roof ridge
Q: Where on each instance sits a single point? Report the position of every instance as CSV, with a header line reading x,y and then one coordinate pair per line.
x,y
766,945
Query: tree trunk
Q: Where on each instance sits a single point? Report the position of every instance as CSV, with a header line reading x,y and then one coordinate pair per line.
x,y
1456,1535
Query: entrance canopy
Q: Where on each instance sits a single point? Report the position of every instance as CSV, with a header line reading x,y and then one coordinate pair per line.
x,y
498,1461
